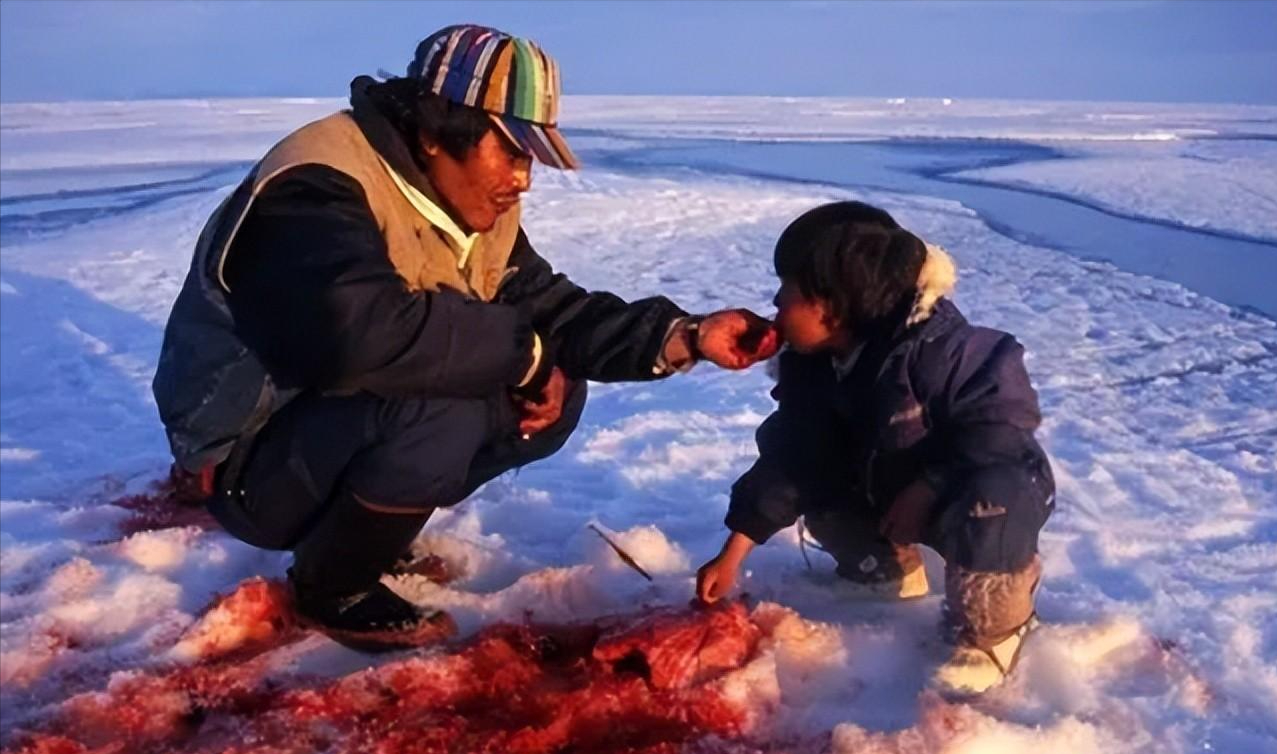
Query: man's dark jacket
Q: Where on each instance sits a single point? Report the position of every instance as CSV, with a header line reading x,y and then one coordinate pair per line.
x,y
314,303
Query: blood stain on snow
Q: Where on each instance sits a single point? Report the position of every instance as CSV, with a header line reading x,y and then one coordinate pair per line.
x,y
168,503
676,648
256,617
623,684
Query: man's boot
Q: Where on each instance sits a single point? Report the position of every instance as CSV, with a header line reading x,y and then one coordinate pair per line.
x,y
987,616
336,575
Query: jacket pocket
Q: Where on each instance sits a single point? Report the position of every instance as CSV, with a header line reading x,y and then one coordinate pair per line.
x,y
902,423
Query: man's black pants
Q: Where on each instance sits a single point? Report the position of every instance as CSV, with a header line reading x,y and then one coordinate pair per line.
x,y
400,455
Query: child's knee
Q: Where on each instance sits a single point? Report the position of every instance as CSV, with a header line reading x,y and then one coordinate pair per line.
x,y
993,522
861,552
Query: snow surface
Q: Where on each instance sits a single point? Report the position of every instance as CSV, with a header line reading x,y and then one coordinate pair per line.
x,y
1161,420
1211,167
1219,184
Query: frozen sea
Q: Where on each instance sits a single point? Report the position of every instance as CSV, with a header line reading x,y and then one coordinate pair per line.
x,y
1131,247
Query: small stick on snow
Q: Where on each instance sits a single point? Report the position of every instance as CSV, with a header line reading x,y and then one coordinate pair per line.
x,y
802,544
622,554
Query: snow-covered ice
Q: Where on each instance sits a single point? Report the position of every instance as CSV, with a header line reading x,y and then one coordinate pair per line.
x,y
1206,166
1160,417
1224,184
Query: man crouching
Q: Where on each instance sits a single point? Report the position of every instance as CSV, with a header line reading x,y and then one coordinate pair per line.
x,y
366,333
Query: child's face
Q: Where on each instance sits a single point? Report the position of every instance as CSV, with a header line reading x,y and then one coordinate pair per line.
x,y
806,324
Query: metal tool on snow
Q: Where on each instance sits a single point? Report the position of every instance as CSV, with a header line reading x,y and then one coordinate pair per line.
x,y
620,553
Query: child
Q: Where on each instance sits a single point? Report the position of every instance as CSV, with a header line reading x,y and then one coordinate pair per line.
x,y
898,424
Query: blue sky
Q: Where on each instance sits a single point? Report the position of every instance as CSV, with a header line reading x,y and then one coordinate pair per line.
x,y
1218,51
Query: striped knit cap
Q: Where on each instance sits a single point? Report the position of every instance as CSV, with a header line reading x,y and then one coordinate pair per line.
x,y
513,79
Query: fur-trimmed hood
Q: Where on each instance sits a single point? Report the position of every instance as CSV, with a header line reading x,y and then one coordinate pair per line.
x,y
937,278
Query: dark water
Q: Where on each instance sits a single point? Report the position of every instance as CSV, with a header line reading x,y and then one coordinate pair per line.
x,y
1231,268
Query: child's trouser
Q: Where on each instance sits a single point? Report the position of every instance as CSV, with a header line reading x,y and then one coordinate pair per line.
x,y
987,534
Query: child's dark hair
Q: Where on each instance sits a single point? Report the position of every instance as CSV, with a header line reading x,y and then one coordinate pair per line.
x,y
414,111
857,258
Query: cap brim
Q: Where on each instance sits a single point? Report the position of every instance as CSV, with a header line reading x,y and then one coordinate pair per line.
x,y
544,143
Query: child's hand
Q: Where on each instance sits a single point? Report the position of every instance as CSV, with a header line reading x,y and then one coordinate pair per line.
x,y
715,579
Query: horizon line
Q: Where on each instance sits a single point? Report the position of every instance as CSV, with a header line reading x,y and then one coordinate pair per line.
x,y
683,96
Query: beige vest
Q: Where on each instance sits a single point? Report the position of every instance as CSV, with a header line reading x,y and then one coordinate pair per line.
x,y
419,253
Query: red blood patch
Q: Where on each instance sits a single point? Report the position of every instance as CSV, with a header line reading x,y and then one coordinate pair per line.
x,y
176,501
675,648
430,567
622,685
256,617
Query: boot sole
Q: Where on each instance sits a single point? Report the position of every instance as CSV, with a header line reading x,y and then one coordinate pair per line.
x,y
434,631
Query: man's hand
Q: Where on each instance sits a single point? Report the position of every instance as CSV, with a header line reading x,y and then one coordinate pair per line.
x,y
906,519
536,413
717,577
737,338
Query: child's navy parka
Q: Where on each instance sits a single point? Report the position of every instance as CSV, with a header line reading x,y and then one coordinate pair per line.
x,y
940,400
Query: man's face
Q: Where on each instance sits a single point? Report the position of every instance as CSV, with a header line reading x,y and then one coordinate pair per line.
x,y
486,182
806,324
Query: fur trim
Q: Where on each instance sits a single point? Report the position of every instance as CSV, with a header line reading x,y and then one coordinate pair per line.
x,y
983,608
937,278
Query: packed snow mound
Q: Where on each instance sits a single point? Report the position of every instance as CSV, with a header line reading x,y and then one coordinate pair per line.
x,y
648,546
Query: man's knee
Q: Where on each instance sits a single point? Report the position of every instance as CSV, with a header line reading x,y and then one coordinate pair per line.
x,y
993,523
276,483
422,454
